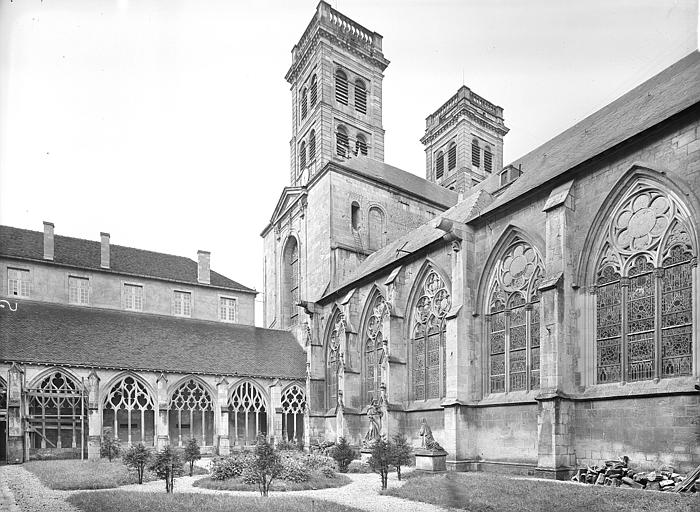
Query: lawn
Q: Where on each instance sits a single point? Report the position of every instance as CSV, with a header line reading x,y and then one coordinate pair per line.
x,y
487,492
75,474
317,481
118,501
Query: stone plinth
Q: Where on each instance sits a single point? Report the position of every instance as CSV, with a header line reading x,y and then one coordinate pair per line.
x,y
365,455
431,461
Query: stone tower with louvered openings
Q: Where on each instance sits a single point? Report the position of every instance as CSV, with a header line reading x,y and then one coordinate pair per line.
x,y
336,82
463,141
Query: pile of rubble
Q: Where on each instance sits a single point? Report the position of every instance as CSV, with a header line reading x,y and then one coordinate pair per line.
x,y
617,473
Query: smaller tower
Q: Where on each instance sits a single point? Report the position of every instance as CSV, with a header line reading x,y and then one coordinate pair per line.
x,y
463,141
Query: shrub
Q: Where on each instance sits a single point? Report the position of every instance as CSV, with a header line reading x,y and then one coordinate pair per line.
x,y
232,466
400,452
322,447
137,457
343,455
286,446
321,463
294,470
192,453
265,467
167,464
357,466
380,459
109,445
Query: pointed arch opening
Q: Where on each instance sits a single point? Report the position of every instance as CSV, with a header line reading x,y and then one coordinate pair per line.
x,y
191,413
512,313
430,304
129,411
247,414
336,337
290,282
293,406
373,348
643,285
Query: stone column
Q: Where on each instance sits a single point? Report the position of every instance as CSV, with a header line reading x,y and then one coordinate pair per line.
x,y
162,427
275,421
94,416
555,441
15,429
221,405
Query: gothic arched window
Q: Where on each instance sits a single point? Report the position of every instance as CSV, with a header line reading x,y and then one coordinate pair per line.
x,y
191,414
513,318
428,338
314,90
130,409
247,414
375,219
56,407
334,361
476,153
439,165
360,97
341,87
293,405
342,147
290,295
374,349
644,289
452,156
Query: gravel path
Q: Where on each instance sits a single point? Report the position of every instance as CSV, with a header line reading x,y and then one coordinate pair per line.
x,y
26,493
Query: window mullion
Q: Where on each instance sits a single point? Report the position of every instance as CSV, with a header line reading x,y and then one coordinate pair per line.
x,y
528,313
506,353
658,297
624,284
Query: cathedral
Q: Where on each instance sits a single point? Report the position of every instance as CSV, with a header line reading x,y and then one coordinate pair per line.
x,y
538,315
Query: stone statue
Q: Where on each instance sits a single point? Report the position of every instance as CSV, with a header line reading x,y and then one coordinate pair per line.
x,y
428,442
374,414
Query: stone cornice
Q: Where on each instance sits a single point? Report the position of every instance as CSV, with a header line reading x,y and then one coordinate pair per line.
x,y
464,112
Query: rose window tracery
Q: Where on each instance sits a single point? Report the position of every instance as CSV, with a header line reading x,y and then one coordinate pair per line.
x,y
644,289
514,320
428,338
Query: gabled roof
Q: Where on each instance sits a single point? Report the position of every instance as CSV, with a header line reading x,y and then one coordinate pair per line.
x,y
76,252
46,333
400,179
673,90
288,197
393,253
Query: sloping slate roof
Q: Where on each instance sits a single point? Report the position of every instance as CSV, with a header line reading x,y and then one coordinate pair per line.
x,y
59,334
415,240
395,177
674,89
24,243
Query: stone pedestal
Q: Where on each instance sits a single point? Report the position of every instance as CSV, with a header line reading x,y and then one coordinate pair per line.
x,y
431,461
365,455
224,447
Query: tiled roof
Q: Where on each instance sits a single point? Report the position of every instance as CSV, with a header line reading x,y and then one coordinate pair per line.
x,y
415,240
673,90
70,335
398,178
76,252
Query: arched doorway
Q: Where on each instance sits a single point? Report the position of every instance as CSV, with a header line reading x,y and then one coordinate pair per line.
x,y
247,414
129,411
191,414
293,404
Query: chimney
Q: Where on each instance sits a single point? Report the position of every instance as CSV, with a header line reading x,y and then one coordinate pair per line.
x,y
203,267
104,250
48,240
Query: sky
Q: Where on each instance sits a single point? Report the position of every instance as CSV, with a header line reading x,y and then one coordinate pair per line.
x,y
167,122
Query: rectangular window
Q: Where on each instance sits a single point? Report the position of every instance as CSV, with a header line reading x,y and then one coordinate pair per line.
x,y
227,309
133,297
182,303
78,290
18,282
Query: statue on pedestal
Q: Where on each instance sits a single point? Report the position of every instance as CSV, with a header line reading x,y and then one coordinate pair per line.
x,y
428,442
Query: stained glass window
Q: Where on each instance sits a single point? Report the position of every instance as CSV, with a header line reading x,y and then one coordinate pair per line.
x,y
374,349
428,339
334,358
644,289
514,320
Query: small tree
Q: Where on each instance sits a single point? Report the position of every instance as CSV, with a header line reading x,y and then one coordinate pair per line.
x,y
265,466
109,445
380,459
400,452
137,457
167,464
343,455
192,453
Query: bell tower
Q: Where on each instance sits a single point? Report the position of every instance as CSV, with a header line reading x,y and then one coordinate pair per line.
x,y
336,84
464,141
